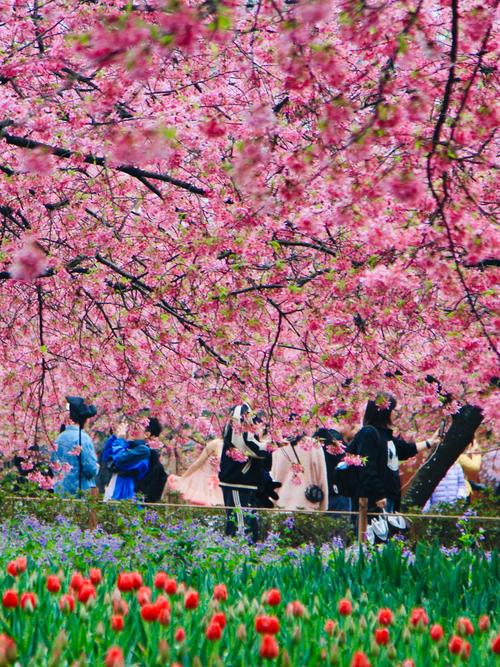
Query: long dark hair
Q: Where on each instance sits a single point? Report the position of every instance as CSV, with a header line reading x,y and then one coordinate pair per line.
x,y
378,412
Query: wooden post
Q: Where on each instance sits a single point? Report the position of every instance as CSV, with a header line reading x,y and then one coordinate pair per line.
x,y
362,519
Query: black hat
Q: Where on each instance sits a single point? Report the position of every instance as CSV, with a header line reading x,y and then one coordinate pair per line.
x,y
78,410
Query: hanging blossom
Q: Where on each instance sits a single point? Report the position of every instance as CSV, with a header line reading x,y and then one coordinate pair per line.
x,y
335,449
308,443
354,460
297,472
29,262
236,455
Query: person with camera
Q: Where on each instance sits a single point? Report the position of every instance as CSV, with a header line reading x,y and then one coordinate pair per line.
x,y
75,451
134,465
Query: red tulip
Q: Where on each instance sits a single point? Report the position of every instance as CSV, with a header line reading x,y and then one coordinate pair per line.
x,y
330,627
295,608
8,650
10,599
28,601
385,617
436,632
136,580
86,592
213,632
191,600
419,617
150,612
162,602
76,581
408,662
120,606
114,657
269,648
117,622
164,616
12,568
21,564
220,592
459,646
160,580
484,623
382,636
267,625
170,587
180,635
95,576
495,645
359,659
67,603
345,607
125,582
220,618
464,626
53,584
273,597
143,595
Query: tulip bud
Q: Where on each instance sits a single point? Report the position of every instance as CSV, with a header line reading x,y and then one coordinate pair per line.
x,y
240,608
334,655
285,659
163,652
406,635
341,639
296,634
374,648
241,632
99,629
391,651
362,624
61,640
197,662
349,625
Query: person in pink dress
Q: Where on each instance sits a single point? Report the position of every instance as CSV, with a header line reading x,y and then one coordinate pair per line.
x,y
199,484
300,466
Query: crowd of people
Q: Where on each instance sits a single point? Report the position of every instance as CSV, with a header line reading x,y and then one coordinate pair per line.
x,y
329,469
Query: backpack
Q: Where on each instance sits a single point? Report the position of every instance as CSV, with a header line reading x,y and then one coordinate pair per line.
x,y
345,477
153,482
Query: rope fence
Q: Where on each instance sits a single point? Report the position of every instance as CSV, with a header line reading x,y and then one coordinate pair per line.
x,y
363,513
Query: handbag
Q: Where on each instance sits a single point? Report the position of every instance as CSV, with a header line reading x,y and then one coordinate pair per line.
x,y
314,493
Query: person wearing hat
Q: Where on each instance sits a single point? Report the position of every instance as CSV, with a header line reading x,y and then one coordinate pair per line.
x,y
75,456
244,472
133,461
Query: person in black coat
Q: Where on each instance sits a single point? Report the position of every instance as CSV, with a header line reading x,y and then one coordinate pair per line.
x,y
330,439
244,474
379,476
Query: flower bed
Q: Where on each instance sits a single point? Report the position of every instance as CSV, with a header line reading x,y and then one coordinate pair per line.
x,y
80,598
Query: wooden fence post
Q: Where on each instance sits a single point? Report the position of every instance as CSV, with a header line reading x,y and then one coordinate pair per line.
x,y
362,519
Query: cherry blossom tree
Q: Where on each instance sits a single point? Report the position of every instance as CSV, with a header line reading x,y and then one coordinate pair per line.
x,y
291,203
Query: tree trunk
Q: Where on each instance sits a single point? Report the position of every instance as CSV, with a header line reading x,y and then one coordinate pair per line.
x,y
459,435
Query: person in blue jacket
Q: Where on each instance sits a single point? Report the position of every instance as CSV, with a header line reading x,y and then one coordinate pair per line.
x,y
133,464
74,448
